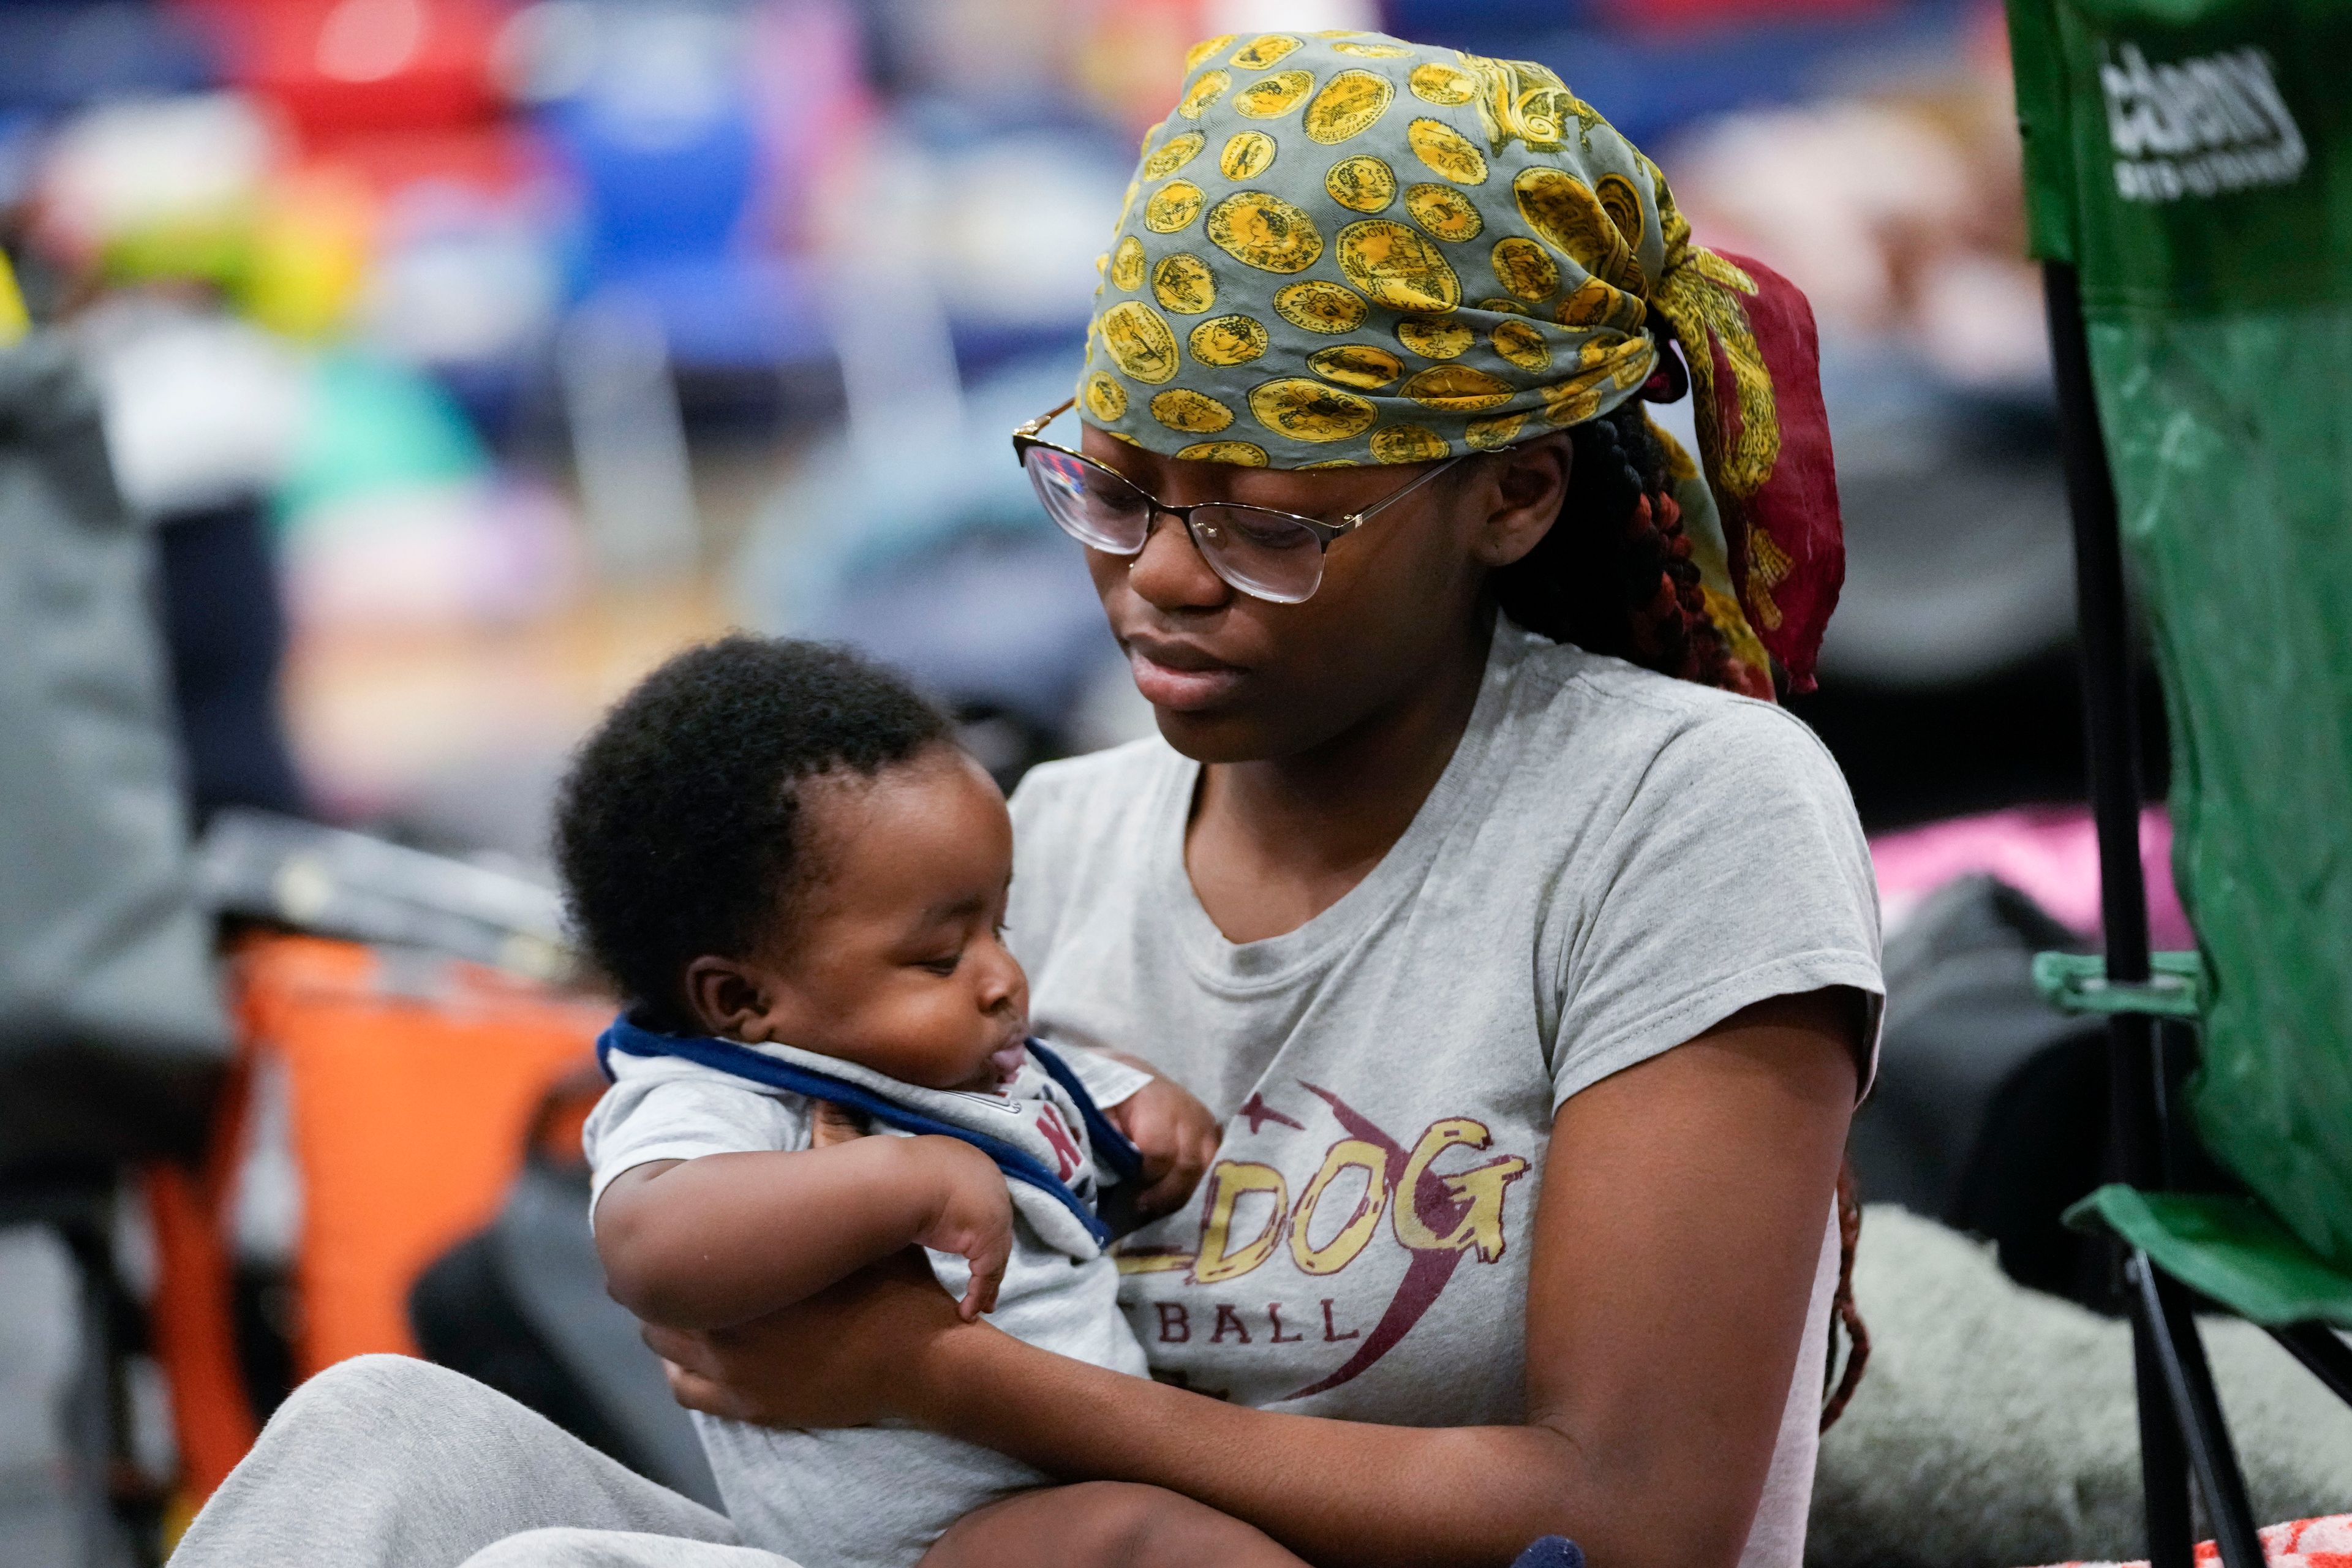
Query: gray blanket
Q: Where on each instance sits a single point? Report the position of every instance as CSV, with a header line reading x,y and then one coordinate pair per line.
x,y
1996,1427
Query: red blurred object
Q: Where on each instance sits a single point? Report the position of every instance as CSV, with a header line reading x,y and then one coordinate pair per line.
x,y
1677,15
341,69
192,1327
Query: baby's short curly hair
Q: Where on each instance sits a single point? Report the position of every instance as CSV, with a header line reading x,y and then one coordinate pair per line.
x,y
677,829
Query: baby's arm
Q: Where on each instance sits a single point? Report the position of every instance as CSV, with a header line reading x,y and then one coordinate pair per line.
x,y
710,1242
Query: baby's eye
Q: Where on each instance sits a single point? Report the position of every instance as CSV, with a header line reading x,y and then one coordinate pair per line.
x,y
942,964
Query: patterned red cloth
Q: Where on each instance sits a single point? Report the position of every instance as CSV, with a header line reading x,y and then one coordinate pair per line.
x,y
1787,539
2305,1543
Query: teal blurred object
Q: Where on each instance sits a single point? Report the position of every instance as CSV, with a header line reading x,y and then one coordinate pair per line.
x,y
375,426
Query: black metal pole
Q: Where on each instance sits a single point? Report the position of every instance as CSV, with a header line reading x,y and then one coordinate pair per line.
x,y
2135,1137
2163,1455
2164,1307
2323,1354
2110,713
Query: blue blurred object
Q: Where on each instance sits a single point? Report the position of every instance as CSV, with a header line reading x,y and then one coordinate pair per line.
x,y
666,154
1651,85
56,56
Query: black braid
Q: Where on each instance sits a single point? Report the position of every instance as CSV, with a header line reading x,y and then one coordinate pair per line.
x,y
1614,576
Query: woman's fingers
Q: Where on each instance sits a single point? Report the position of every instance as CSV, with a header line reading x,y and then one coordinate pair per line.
x,y
697,1392
677,1348
847,1356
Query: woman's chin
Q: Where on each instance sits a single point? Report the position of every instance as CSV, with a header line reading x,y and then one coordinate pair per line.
x,y
1211,736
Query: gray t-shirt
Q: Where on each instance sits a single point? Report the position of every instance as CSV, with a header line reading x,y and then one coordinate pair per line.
x,y
1612,861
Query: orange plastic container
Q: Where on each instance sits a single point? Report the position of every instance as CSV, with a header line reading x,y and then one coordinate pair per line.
x,y
412,1082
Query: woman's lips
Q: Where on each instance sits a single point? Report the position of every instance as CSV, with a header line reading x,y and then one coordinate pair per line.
x,y
1181,679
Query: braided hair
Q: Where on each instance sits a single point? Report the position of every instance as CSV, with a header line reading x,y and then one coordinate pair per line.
x,y
1614,575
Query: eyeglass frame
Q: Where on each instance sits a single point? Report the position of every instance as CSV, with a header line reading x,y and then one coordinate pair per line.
x,y
1026,435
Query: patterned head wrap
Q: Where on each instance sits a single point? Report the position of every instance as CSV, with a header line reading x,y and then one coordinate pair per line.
x,y
1342,248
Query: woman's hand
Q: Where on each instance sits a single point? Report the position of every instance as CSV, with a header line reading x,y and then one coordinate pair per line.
x,y
1175,1135
855,1353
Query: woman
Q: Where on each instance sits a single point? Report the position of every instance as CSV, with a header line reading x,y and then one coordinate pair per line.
x,y
1534,987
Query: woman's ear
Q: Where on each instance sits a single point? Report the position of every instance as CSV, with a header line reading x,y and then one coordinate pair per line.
x,y
727,998
1523,490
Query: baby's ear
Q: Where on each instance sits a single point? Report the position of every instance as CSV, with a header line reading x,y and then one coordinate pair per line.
x,y
727,998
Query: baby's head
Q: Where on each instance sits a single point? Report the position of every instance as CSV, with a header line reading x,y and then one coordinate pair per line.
x,y
779,842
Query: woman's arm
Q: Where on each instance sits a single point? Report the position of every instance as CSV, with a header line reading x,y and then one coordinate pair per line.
x,y
705,1242
1677,1237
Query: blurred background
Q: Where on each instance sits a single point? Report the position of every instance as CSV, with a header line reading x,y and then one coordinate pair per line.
x,y
458,359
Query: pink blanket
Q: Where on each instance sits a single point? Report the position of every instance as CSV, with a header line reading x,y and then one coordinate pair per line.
x,y
2048,853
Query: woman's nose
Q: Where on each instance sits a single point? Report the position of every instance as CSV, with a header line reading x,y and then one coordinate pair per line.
x,y
1168,573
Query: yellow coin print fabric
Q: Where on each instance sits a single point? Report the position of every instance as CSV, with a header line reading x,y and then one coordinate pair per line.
x,y
1240,454
1172,206
1434,337
1206,90
1127,265
1447,151
1361,185
1395,266
1444,211
1196,413
1264,231
1349,104
1309,411
1227,341
1441,84
1317,306
1409,443
1364,366
1172,155
1183,283
1247,155
1269,50
1350,249
1277,94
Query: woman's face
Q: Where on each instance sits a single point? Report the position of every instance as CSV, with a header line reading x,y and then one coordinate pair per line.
x,y
1235,678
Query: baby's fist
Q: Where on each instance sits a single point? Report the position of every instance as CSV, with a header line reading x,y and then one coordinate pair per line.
x,y
1176,1136
971,1216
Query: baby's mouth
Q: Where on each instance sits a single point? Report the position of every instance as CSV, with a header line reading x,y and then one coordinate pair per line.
x,y
1007,1059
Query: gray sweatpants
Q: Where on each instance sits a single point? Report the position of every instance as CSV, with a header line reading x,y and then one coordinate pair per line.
x,y
383,1462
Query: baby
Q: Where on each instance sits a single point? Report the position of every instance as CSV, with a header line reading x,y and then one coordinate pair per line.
x,y
798,882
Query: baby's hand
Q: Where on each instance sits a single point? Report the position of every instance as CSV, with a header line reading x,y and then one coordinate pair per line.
x,y
1174,1133
971,1216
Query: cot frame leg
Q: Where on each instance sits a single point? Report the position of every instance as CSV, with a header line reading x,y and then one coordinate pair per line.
x,y
2161,1305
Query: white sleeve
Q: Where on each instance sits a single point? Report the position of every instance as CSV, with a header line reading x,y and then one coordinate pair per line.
x,y
1739,873
676,1110
1108,1082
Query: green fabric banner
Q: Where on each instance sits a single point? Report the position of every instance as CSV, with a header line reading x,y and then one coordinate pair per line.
x,y
2193,160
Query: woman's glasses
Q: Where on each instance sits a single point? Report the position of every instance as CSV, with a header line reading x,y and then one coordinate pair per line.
x,y
1266,553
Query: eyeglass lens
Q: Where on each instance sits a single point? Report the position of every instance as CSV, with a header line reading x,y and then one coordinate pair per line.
x,y
1261,553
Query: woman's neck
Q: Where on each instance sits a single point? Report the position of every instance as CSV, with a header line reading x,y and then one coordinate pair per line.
x,y
1272,844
